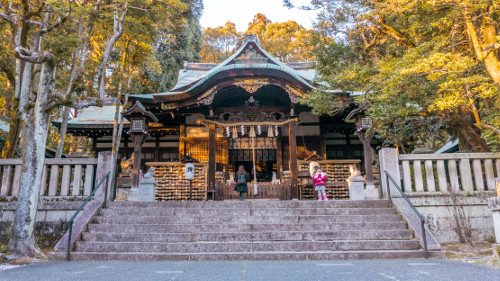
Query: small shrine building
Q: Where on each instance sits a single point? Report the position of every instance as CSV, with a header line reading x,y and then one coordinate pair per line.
x,y
243,111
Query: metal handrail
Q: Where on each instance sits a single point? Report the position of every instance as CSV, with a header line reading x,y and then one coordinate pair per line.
x,y
422,220
105,178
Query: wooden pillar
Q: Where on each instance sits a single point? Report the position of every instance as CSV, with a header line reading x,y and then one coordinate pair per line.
x,y
125,147
182,143
137,158
157,149
279,158
367,153
322,138
292,144
211,157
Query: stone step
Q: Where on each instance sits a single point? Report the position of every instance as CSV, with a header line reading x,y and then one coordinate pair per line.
x,y
237,246
251,236
316,255
242,219
158,211
260,227
255,204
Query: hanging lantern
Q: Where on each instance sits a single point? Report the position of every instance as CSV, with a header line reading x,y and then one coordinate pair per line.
x,y
235,133
276,131
228,132
270,132
242,130
259,130
252,132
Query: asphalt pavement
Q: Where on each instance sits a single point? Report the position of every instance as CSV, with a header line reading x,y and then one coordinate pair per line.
x,y
253,270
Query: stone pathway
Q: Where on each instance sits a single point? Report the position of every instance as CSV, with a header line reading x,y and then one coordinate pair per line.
x,y
270,270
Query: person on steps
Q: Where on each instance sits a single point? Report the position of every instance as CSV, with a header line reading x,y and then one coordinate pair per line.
x,y
319,179
242,178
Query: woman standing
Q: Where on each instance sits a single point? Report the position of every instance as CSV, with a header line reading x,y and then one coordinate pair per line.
x,y
241,179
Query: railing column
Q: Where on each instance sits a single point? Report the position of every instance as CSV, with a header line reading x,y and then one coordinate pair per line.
x,y
105,160
389,162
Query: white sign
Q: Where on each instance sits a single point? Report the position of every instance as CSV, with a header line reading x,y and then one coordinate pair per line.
x,y
189,171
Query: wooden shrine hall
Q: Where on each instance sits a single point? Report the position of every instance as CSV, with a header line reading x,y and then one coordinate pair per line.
x,y
243,111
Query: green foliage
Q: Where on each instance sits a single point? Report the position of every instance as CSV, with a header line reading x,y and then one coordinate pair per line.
x,y
411,59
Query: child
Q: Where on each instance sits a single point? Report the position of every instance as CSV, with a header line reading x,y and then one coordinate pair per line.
x,y
319,179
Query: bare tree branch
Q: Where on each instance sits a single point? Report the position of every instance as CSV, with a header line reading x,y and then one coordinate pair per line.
x,y
33,57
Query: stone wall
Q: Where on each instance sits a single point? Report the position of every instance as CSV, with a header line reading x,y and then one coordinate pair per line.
x,y
437,209
51,219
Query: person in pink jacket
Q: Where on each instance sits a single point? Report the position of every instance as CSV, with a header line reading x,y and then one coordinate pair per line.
x,y
319,179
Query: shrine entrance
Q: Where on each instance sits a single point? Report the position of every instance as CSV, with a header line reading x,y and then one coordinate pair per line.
x,y
241,153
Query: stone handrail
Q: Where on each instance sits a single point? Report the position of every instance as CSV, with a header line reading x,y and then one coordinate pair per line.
x,y
62,177
457,172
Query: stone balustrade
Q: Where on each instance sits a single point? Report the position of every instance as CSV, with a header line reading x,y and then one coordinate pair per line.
x,y
442,173
63,177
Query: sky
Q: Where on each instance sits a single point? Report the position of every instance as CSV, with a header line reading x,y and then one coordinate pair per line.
x,y
241,12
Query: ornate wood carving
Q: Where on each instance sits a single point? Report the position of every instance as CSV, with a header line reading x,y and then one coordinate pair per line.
x,y
251,85
251,56
294,94
208,97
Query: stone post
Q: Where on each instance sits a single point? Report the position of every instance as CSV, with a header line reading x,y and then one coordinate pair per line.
x,y
356,187
106,162
494,206
389,161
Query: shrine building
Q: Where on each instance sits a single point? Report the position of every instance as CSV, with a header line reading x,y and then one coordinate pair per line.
x,y
243,111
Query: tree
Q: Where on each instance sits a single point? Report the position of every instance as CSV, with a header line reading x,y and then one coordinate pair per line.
x,y
411,60
219,43
75,51
288,41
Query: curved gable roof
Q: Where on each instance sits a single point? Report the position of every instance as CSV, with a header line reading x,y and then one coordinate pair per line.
x,y
250,55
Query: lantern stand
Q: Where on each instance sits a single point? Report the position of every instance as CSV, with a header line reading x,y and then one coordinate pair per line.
x,y
365,131
188,160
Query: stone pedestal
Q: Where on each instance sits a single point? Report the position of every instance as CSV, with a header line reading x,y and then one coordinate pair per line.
x,y
356,188
134,194
371,192
147,189
494,206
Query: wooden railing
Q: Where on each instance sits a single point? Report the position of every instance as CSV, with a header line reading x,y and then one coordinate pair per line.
x,y
465,172
60,177
266,190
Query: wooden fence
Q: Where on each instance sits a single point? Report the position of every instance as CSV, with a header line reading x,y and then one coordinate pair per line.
x,y
266,190
60,177
466,172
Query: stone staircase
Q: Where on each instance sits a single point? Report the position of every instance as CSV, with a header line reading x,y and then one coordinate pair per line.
x,y
249,230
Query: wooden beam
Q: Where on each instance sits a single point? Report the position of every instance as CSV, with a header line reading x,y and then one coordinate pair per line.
x,y
211,157
279,158
292,144
182,141
322,141
137,159
157,149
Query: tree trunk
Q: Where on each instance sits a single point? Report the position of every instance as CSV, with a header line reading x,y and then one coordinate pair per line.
x,y
22,241
62,131
118,29
486,51
463,123
9,149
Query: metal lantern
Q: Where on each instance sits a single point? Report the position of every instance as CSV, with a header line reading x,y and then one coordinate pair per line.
x,y
364,123
138,125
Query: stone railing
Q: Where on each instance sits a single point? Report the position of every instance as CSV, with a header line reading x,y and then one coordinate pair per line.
x,y
64,177
457,172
